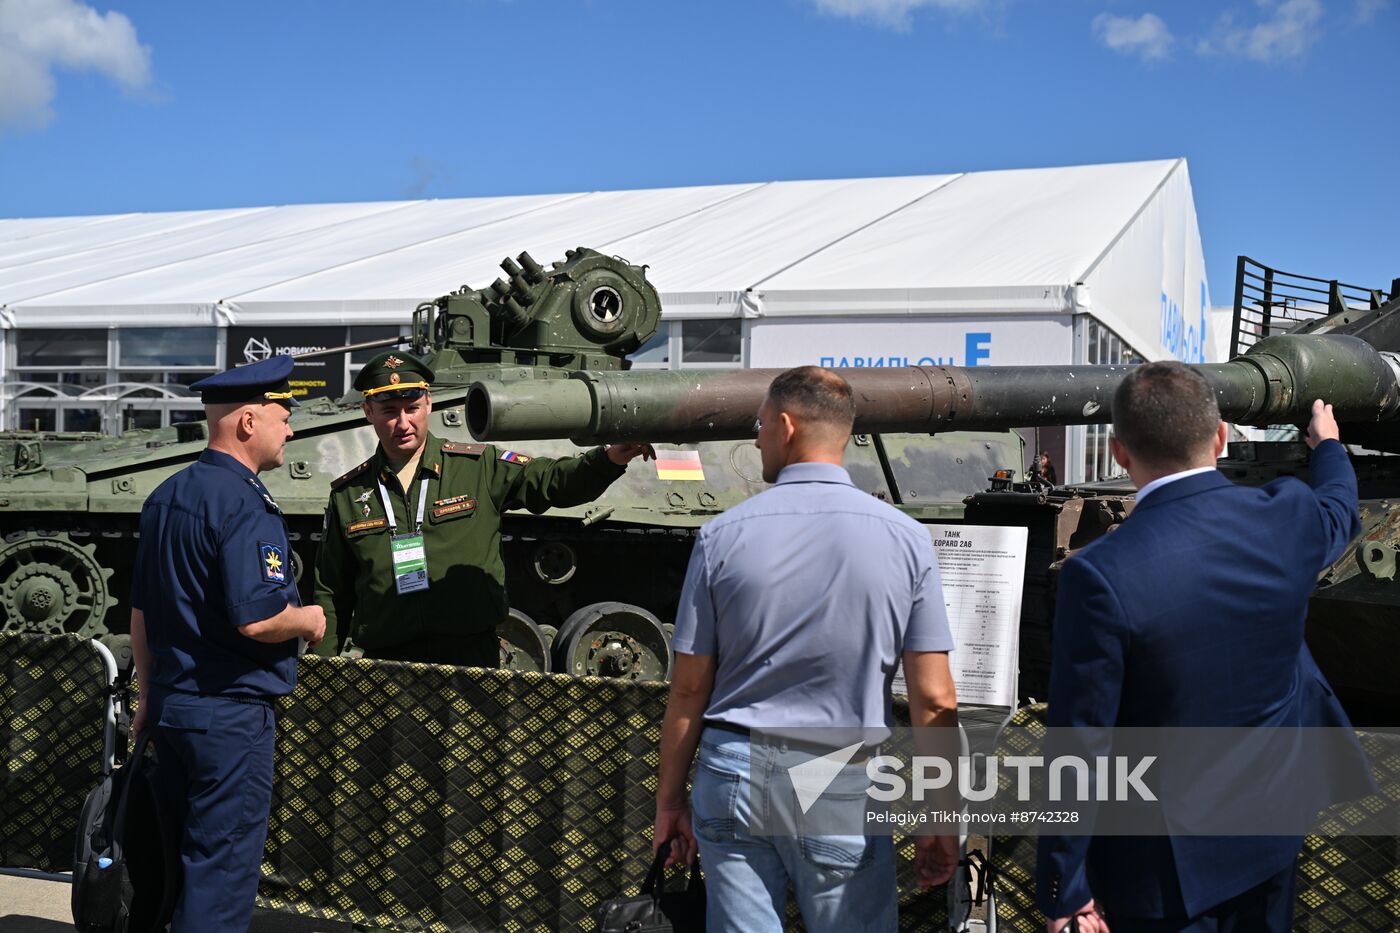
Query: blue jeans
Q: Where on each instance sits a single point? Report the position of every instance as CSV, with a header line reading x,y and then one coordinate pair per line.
x,y
841,882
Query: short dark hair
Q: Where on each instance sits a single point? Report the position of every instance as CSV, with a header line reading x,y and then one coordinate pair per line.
x,y
1165,413
814,394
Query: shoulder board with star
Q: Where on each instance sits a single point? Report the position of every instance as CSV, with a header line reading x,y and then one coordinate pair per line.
x,y
340,481
272,506
471,450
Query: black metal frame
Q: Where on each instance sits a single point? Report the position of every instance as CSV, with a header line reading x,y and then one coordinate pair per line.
x,y
1268,301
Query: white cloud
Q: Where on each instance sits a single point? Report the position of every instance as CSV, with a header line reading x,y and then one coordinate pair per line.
x,y
895,13
39,36
1366,10
1146,37
1289,29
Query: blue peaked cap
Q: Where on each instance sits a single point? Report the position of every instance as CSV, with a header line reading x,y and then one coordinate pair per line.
x,y
264,381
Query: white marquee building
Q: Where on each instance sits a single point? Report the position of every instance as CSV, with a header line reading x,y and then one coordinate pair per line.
x,y
105,320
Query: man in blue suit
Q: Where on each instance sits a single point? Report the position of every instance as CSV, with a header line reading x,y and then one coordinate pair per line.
x,y
1191,614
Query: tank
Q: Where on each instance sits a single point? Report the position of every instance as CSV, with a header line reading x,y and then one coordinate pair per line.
x,y
593,589
1296,339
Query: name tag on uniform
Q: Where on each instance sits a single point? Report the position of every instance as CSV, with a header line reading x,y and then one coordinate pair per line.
x,y
410,563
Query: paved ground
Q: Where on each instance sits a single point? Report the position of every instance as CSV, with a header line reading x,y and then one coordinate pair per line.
x,y
30,906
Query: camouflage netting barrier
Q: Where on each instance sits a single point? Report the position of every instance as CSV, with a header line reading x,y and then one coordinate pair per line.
x,y
438,798
406,795
1345,882
53,695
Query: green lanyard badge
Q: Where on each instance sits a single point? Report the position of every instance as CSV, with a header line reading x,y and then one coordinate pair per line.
x,y
408,551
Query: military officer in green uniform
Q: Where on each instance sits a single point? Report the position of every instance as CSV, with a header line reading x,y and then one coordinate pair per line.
x,y
410,565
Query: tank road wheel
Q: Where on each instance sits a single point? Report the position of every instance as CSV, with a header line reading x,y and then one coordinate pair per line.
x,y
613,640
49,585
523,644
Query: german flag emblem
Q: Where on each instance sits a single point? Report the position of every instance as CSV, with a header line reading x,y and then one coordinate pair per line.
x,y
679,465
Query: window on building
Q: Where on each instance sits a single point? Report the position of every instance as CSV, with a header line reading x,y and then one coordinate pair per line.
x,y
167,346
711,342
696,343
1102,347
37,419
103,365
163,378
82,419
79,380
100,365
65,348
656,352
136,419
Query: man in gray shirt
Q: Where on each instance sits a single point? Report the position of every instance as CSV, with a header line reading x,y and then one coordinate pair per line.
x,y
797,607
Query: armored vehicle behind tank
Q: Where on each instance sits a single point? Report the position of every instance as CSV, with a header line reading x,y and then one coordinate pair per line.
x,y
598,583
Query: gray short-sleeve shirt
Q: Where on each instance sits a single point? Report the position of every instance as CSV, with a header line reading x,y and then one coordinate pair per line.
x,y
807,595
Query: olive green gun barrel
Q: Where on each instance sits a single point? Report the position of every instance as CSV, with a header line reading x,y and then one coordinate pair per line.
x,y
351,348
1275,383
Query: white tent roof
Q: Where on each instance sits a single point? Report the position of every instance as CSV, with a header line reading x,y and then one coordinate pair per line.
x,y
1006,241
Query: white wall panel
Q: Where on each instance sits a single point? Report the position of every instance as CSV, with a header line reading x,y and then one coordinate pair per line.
x,y
944,341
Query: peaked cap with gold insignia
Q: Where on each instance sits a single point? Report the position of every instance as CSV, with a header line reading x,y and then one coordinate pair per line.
x,y
264,381
394,375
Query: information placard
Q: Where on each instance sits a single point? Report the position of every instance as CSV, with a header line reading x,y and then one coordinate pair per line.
x,y
323,378
983,571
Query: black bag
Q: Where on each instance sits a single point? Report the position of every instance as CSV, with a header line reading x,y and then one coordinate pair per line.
x,y
125,882
656,910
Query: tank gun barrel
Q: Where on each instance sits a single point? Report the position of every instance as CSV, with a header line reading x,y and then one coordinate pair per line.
x,y
352,348
1275,383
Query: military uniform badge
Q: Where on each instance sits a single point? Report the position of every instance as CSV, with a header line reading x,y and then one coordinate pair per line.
x,y
272,562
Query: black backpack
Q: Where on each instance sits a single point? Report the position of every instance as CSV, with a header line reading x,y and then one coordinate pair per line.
x,y
125,882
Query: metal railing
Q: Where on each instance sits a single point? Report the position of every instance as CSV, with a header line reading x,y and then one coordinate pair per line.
x,y
1269,302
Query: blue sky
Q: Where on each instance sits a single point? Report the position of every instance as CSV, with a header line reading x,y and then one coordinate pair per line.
x,y
1287,110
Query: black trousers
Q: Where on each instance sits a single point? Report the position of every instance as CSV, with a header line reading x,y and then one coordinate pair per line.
x,y
1264,908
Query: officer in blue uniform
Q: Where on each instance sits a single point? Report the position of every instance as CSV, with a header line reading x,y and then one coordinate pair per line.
x,y
216,625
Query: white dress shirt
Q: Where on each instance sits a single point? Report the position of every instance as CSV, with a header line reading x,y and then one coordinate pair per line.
x,y
1161,481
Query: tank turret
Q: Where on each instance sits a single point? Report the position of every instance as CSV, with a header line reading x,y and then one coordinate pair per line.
x,y
585,313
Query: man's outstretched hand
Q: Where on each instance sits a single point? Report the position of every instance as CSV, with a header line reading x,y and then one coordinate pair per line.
x,y
623,454
1323,426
